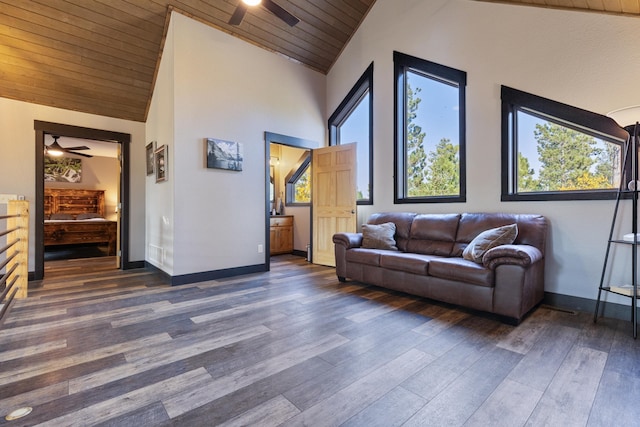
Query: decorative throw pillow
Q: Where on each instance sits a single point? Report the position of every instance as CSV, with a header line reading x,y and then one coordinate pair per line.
x,y
488,239
379,236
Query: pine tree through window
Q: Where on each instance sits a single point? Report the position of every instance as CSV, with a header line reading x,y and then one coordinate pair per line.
x,y
430,131
556,151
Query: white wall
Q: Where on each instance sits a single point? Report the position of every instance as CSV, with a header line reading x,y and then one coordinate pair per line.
x,y
17,161
160,130
224,88
583,59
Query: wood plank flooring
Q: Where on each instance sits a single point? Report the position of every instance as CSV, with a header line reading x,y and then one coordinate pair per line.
x,y
292,347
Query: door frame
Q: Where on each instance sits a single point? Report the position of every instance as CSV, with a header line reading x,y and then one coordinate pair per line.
x,y
124,139
291,141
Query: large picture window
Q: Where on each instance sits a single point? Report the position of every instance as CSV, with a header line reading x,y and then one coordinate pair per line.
x,y
553,151
429,131
353,122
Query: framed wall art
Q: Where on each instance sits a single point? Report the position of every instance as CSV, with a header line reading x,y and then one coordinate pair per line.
x,y
223,154
150,150
161,163
62,169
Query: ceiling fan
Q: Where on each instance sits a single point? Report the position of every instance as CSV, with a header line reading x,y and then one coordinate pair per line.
x,y
271,6
55,149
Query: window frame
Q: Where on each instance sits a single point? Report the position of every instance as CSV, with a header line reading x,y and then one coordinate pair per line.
x,y
302,165
363,86
446,75
590,123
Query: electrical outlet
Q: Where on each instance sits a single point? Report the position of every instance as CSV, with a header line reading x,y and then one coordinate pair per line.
x,y
260,249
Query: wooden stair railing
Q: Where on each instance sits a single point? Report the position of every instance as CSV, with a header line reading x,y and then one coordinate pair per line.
x,y
14,256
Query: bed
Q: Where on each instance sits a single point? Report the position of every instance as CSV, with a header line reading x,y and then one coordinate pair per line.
x,y
76,217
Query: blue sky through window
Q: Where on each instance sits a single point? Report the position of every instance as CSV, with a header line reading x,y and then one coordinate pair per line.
x,y
355,128
438,112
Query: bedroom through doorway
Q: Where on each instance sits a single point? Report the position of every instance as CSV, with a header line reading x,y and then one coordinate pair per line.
x,y
81,182
81,198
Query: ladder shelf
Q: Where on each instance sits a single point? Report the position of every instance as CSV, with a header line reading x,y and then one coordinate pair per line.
x,y
628,290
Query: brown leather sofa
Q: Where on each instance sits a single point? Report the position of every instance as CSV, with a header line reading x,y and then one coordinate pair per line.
x,y
509,280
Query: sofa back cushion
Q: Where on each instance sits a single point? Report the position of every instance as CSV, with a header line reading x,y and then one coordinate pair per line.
x,y
433,234
532,229
402,220
449,234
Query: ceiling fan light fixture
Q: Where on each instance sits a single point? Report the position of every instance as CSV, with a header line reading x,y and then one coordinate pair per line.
x,y
270,5
54,149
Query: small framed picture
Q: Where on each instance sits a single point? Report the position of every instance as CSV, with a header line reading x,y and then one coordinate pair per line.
x,y
223,154
161,164
150,157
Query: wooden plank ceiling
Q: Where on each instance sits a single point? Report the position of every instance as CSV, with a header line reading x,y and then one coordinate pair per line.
x,y
101,56
617,7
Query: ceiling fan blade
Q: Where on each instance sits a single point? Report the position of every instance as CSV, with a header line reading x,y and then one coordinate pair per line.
x,y
81,147
280,12
78,154
238,15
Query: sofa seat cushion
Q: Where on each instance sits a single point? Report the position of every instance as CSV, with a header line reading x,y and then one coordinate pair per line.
x,y
407,262
461,270
365,256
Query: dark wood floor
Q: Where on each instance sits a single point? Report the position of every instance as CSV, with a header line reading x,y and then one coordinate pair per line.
x,y
98,346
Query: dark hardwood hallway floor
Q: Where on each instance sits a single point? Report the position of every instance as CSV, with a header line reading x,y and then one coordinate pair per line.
x,y
98,346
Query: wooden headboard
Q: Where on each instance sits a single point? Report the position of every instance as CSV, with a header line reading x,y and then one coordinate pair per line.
x,y
74,202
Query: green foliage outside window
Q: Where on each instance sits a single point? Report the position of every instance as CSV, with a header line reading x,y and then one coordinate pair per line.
x,y
555,151
568,160
302,187
436,173
429,131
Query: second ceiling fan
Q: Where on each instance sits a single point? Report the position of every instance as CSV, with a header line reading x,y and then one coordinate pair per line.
x,y
271,6
55,149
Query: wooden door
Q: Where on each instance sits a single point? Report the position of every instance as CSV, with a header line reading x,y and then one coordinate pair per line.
x,y
333,198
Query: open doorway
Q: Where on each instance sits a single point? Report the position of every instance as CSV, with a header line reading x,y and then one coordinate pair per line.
x,y
112,207
81,198
286,221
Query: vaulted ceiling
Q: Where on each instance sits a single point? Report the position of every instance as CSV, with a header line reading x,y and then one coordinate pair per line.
x,y
617,7
101,56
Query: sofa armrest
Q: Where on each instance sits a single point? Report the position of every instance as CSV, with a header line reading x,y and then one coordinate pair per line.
x,y
341,243
519,279
348,240
522,255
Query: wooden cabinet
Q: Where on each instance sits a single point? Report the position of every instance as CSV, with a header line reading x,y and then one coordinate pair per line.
x,y
281,234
